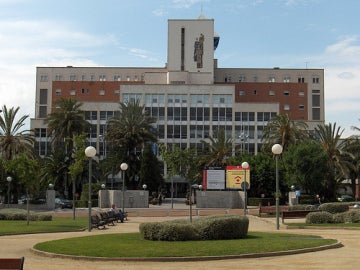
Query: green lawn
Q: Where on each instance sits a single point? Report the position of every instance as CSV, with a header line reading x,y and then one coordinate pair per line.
x,y
56,225
131,245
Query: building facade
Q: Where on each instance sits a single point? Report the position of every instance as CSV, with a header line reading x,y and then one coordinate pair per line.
x,y
191,97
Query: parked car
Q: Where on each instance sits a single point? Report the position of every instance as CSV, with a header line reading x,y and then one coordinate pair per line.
x,y
346,198
62,203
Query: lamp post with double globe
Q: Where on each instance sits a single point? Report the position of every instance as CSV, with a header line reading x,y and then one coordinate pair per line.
x,y
277,150
90,152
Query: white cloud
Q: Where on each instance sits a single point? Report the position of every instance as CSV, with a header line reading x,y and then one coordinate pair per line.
x,y
27,44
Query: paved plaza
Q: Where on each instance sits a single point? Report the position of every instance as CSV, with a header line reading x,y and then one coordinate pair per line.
x,y
347,257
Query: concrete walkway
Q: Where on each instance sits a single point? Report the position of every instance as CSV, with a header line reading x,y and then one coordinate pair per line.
x,y
347,257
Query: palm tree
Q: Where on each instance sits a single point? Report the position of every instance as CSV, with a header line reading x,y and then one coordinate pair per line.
x,y
284,131
337,157
130,130
13,140
219,149
65,122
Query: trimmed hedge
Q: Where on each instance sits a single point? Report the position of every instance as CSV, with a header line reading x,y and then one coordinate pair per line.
x,y
21,214
334,208
204,228
351,216
319,217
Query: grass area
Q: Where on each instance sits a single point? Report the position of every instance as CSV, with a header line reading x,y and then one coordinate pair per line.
x,y
326,225
56,225
131,245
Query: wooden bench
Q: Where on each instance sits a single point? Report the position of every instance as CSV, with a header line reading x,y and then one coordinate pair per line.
x,y
295,214
12,263
271,209
96,222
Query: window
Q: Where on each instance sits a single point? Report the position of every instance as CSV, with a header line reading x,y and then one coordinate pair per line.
x,y
286,107
316,113
316,80
286,79
255,78
301,94
117,92
85,91
301,107
102,92
286,93
242,93
136,78
102,78
242,78
72,92
117,78
301,79
271,93
128,78
271,79
72,77
42,112
43,78
83,77
92,78
315,91
58,92
316,100
255,92
43,96
58,77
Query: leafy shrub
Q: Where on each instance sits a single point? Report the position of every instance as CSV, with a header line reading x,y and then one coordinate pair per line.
x,y
352,216
222,227
339,218
334,208
21,214
319,217
205,228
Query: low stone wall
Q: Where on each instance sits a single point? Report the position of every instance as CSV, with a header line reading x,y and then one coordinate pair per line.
x,y
220,199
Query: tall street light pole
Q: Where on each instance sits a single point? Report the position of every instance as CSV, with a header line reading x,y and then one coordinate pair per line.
x,y
277,150
8,179
90,152
123,168
245,166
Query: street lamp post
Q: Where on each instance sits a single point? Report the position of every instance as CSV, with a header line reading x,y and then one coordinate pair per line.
x,y
90,152
245,166
123,168
8,179
195,186
277,150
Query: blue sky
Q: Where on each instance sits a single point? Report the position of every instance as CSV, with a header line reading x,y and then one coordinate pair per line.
x,y
253,33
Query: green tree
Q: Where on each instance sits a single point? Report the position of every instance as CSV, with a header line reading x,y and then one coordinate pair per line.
x,y
26,172
76,168
150,170
182,162
220,149
64,123
54,169
131,129
14,140
282,130
305,167
337,157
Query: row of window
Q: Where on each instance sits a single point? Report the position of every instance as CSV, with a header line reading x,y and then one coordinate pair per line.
x,y
92,77
272,79
272,93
